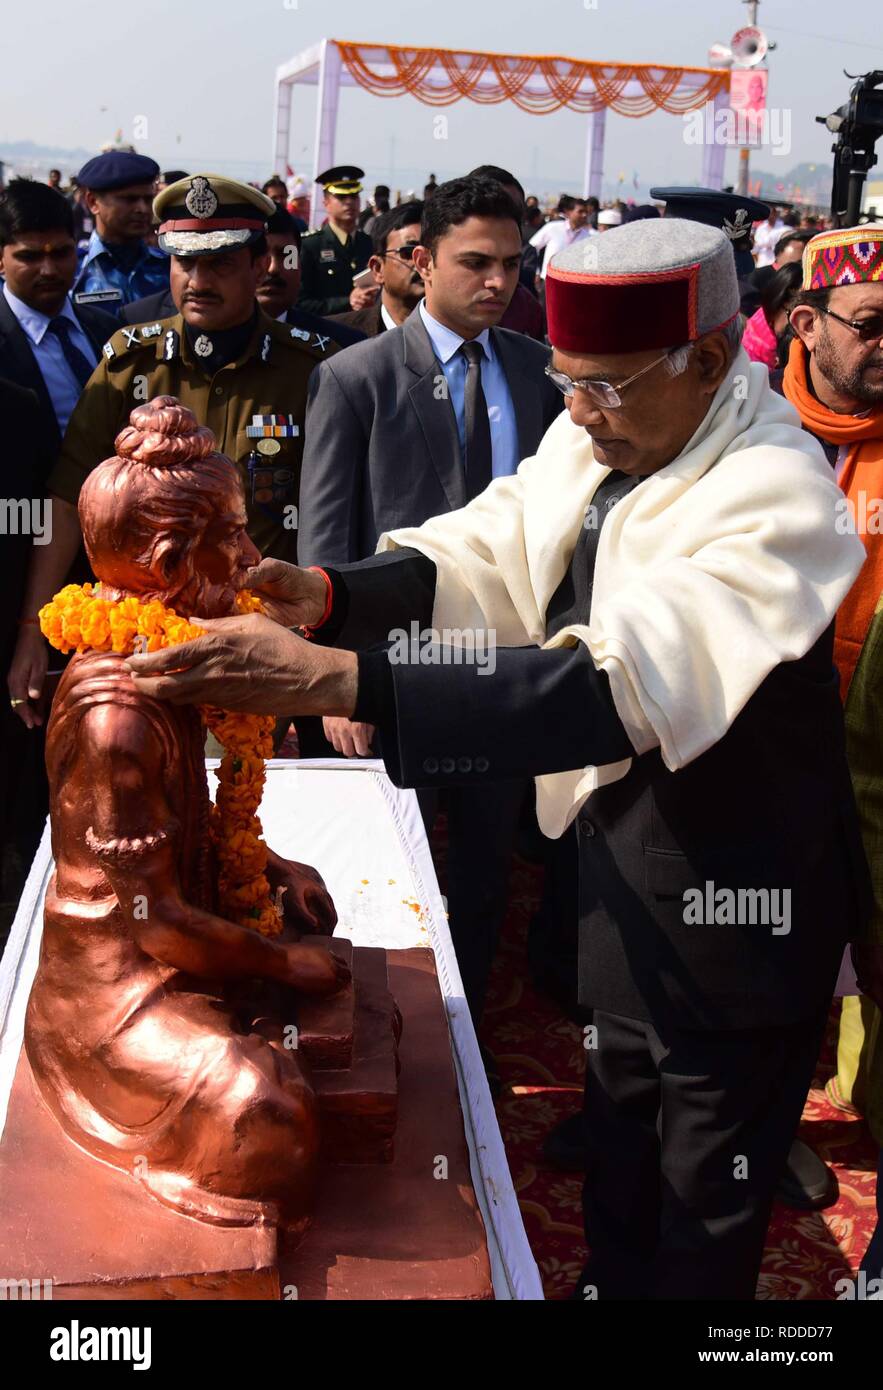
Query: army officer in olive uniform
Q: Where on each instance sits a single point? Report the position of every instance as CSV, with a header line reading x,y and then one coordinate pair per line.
x,y
243,374
331,257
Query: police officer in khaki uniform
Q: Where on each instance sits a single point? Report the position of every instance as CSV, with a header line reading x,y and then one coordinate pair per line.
x,y
243,374
333,255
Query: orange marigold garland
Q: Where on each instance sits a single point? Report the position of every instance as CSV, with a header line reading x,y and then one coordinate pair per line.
x,y
77,620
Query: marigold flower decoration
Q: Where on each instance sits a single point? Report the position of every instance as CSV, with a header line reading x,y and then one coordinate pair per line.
x,y
78,620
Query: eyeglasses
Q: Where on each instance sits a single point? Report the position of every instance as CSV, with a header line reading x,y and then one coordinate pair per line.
x,y
601,392
869,330
405,252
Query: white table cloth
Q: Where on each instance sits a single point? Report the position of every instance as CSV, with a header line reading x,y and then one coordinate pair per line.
x,y
367,840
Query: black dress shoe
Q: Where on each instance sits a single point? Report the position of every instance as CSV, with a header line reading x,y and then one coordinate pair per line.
x,y
807,1184
563,1146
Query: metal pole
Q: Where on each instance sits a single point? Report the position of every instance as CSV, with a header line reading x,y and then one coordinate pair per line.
x,y
593,172
328,95
742,183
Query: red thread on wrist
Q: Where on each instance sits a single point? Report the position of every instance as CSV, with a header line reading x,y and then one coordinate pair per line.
x,y
329,601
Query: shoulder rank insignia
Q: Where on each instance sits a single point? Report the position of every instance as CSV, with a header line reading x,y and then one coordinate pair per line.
x,y
151,330
321,340
131,337
303,333
170,347
265,349
272,427
109,350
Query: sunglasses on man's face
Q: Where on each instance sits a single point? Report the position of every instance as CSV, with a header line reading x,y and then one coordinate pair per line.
x,y
404,253
869,330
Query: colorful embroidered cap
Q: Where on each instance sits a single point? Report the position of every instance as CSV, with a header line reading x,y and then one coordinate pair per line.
x,y
847,256
657,283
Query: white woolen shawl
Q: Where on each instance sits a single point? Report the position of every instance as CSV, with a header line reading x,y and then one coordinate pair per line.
x,y
710,573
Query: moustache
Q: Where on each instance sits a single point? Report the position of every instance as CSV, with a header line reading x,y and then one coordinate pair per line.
x,y
272,282
202,299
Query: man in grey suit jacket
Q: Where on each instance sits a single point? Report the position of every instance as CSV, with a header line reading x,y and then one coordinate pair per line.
x,y
384,444
414,423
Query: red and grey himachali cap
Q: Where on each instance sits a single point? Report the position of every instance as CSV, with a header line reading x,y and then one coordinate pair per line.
x,y
650,284
207,214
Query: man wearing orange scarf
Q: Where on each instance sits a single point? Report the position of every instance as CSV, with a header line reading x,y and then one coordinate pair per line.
x,y
834,378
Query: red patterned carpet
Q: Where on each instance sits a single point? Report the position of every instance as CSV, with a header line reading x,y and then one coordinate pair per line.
x,y
540,1058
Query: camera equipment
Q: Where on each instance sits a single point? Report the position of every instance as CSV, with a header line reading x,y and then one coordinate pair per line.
x,y
858,125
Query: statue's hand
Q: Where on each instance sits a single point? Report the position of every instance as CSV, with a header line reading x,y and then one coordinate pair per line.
x,y
315,970
307,908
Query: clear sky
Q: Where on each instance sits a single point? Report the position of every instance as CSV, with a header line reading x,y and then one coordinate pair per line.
x,y
201,73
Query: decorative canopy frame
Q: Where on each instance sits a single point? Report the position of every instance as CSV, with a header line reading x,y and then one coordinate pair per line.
x,y
537,84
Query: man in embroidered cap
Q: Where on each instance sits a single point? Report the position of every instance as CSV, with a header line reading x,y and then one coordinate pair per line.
x,y
834,378
118,265
242,373
660,582
338,251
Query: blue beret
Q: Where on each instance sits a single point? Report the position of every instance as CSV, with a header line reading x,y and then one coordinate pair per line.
x,y
117,169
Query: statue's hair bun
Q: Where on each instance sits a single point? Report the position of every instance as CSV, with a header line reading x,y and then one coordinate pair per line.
x,y
163,433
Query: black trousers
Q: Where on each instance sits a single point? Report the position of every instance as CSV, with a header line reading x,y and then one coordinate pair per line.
x,y
481,830
686,1140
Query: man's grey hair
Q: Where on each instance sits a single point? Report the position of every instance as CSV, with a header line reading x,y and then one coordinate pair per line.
x,y
676,362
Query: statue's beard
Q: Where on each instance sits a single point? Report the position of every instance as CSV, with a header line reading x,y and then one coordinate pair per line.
x,y
203,598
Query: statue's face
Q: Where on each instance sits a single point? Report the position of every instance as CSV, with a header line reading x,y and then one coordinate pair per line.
x,y
222,557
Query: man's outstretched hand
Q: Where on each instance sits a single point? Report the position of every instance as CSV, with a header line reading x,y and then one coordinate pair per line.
x,y
294,597
251,665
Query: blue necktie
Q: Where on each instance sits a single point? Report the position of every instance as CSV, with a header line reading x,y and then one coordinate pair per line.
x,y
479,450
78,363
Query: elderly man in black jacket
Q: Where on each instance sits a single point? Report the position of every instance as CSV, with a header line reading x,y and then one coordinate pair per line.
x,y
661,582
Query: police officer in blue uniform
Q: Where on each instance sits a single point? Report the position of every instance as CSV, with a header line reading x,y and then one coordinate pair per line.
x,y
118,265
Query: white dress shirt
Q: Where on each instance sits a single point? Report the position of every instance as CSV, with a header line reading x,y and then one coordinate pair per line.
x,y
554,236
62,385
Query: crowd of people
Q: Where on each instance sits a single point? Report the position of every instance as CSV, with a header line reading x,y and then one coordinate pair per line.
x,y
379,380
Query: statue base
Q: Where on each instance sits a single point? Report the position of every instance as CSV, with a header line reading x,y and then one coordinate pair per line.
x,y
392,1220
